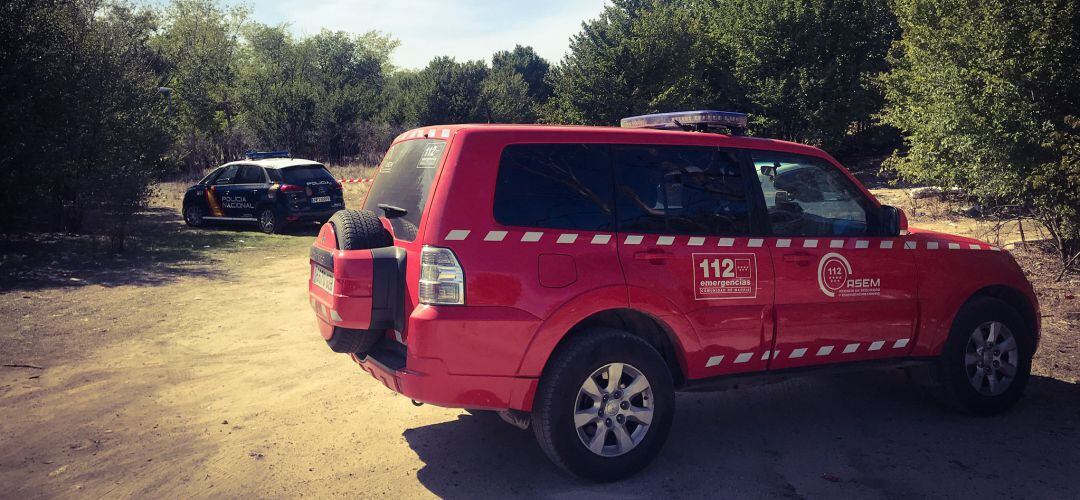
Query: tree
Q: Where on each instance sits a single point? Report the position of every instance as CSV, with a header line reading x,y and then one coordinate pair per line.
x,y
505,98
532,68
986,94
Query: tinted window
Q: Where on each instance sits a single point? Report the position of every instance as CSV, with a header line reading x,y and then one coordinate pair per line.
x,y
566,186
250,174
404,181
227,175
274,175
809,197
303,174
681,190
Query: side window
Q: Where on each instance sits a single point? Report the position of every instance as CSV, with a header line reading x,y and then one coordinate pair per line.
x,y
275,175
681,190
227,175
251,174
809,197
566,186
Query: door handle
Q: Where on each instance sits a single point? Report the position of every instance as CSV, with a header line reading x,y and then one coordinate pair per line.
x,y
800,258
654,256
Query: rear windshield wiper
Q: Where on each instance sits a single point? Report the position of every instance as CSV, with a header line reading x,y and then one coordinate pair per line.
x,y
392,212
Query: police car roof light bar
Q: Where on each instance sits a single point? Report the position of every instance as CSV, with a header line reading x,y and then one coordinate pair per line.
x,y
261,155
705,120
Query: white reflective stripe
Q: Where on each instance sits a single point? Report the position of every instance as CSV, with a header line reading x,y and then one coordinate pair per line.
x,y
862,244
798,353
850,348
633,240
876,345
665,240
825,350
767,354
900,343
696,241
886,244
783,243
932,245
954,246
567,238
744,357
754,242
714,360
495,236
457,234
601,239
322,310
975,247
531,236
311,300
334,315
809,244
910,245
996,249
445,132
431,133
836,244
725,242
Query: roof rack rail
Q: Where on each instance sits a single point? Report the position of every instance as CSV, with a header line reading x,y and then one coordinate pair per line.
x,y
705,120
262,155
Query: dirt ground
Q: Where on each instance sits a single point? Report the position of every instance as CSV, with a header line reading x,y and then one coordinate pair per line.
x,y
191,367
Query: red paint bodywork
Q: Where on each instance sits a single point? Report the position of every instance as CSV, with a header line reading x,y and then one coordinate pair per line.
x,y
523,297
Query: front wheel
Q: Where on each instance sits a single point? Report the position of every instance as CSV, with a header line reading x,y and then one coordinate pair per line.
x,y
193,215
604,405
269,222
986,361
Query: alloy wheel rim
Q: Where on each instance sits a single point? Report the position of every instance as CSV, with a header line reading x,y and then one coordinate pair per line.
x,y
613,409
991,358
194,216
267,220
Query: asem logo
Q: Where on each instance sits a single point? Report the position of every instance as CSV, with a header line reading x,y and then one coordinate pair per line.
x,y
835,278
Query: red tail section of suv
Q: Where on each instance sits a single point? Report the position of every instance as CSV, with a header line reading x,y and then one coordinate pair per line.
x,y
575,277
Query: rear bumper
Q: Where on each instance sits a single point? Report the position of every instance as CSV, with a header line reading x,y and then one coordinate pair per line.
x,y
427,380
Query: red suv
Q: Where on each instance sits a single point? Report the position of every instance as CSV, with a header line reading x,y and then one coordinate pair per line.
x,y
573,278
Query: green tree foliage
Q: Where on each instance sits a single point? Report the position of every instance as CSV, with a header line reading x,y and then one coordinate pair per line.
x,y
987,95
84,129
532,68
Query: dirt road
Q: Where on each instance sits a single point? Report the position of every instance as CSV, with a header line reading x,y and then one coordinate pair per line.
x,y
209,380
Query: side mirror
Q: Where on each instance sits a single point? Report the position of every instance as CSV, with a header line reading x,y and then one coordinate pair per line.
x,y
893,221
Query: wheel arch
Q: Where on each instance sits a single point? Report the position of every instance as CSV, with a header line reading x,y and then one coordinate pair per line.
x,y
1015,298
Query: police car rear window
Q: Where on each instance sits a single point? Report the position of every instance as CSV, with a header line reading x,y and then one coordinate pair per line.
x,y
404,180
305,173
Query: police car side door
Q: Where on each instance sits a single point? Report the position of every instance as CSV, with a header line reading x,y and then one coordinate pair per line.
x,y
844,291
246,191
218,192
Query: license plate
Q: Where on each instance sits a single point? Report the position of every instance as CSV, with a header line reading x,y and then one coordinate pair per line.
x,y
321,199
322,279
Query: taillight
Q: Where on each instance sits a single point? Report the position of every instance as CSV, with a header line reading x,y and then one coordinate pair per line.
x,y
290,188
442,281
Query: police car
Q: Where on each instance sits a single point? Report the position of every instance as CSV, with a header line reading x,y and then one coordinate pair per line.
x,y
574,278
268,188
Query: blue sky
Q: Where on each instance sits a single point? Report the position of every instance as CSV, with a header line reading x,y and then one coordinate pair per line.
x,y
464,29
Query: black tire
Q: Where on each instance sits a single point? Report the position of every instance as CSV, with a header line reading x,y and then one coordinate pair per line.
x,y
957,388
270,222
359,230
193,215
349,341
557,399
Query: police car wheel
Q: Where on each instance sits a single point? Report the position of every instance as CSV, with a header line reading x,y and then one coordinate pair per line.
x,y
193,215
985,364
359,230
269,222
604,405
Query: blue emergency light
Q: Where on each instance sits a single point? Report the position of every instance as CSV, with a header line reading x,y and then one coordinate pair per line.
x,y
701,120
262,155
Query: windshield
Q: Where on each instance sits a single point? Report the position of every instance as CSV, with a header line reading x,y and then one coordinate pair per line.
x,y
404,181
303,174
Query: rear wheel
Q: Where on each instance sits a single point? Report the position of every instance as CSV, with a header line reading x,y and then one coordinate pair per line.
x,y
193,215
604,405
986,362
359,230
269,222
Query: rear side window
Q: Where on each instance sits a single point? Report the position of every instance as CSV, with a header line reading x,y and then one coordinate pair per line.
x,y
404,181
564,186
681,190
303,174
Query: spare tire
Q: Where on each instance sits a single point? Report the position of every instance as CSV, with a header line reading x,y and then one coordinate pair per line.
x,y
359,230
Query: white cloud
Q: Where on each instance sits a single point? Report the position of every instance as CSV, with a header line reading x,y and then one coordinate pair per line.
x,y
464,29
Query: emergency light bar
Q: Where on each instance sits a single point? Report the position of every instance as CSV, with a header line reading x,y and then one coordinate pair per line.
x,y
261,155
702,121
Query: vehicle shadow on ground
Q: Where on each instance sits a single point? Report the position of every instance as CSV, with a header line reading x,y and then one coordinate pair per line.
x,y
159,249
873,435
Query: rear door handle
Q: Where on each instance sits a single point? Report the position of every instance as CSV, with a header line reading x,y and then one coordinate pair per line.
x,y
800,258
654,256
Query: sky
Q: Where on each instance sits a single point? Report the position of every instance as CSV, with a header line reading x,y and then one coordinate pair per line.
x,y
463,29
